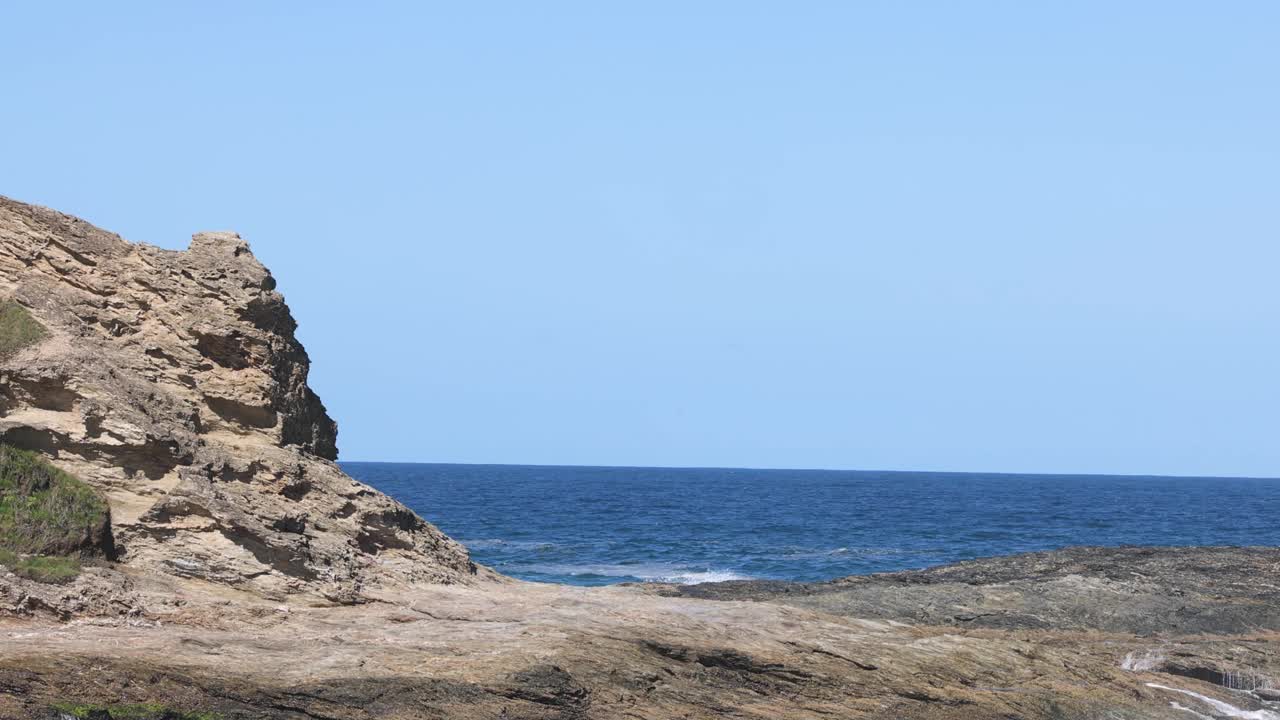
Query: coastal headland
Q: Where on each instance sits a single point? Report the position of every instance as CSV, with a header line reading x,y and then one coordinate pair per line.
x,y
186,547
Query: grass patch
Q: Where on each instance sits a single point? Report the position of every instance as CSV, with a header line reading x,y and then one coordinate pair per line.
x,y
47,518
53,569
142,711
44,510
17,328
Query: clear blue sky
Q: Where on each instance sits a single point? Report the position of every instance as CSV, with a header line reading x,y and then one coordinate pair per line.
x,y
929,235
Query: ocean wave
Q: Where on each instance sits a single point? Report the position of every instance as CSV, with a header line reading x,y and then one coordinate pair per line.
x,y
653,572
858,552
497,543
697,578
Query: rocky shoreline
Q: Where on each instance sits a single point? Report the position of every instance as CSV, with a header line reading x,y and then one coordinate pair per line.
x,y
242,574
1136,590
950,642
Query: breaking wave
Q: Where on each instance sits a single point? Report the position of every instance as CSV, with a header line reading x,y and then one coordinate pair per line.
x,y
498,543
651,572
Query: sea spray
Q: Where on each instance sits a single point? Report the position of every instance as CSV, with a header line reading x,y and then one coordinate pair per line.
x,y
1221,708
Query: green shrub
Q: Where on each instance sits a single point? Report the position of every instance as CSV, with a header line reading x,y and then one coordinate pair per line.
x,y
17,328
43,510
47,518
51,569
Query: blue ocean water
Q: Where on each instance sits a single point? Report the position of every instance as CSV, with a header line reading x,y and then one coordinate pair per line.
x,y
600,525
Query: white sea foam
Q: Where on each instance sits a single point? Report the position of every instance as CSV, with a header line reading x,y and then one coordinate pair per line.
x,y
1142,661
1184,708
648,572
809,552
1219,707
697,578
491,543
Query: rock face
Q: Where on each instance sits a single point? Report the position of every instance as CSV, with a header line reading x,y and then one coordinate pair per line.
x,y
173,383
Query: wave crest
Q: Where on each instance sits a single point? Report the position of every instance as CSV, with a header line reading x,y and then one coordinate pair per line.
x,y
654,572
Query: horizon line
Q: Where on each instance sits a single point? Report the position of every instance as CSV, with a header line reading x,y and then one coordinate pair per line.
x,y
811,469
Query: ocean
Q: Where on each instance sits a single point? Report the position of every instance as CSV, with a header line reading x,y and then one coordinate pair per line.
x,y
602,525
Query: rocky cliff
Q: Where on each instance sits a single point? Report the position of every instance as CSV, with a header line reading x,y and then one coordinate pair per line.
x,y
172,382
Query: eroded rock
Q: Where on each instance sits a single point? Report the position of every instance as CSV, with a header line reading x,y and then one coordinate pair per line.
x,y
174,384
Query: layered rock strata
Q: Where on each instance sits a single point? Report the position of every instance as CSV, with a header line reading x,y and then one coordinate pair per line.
x,y
173,383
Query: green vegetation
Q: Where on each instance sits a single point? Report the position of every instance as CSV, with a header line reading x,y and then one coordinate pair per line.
x,y
17,328
52,569
143,711
47,517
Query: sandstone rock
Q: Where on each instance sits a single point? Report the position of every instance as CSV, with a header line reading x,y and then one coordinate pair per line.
x,y
172,382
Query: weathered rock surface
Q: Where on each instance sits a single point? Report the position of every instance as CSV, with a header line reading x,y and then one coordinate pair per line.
x,y
1138,590
517,650
172,383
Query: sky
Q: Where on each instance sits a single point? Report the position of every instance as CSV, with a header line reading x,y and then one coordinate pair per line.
x,y
982,236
